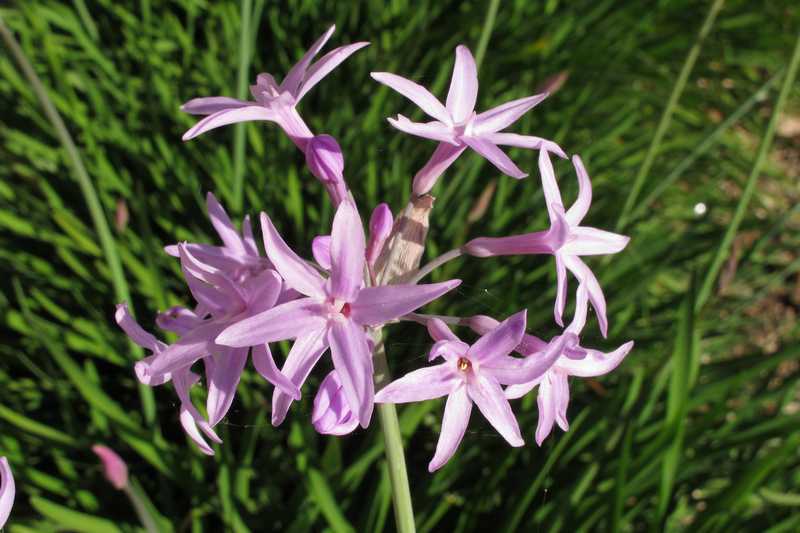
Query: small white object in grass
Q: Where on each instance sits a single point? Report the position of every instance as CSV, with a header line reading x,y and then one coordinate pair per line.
x,y
700,209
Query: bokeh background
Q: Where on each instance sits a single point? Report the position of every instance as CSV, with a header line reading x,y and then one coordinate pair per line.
x,y
699,429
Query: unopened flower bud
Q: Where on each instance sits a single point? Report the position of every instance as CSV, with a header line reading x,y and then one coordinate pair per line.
x,y
332,414
115,469
324,158
380,227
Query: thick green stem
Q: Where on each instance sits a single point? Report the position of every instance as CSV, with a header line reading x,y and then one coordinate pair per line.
x,y
393,443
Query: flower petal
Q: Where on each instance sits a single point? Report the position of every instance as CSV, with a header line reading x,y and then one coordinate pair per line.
x,y
419,385
114,468
229,116
463,86
298,274
348,249
596,297
513,371
524,141
488,396
596,363
331,414
178,320
561,291
593,241
448,349
189,348
134,331
287,321
212,104
540,242
454,425
352,360
501,340
561,388
433,130
377,305
7,491
416,93
546,403
321,249
304,354
552,194
579,209
439,331
224,380
263,291
266,367
247,234
291,83
326,64
190,418
442,157
506,114
495,156
222,223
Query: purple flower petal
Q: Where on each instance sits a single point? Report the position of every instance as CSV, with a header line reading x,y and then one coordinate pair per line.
x,y
561,290
593,241
304,354
546,403
188,349
291,83
178,320
266,367
287,321
488,396
561,395
588,279
422,384
448,349
331,414
298,274
433,130
463,90
326,64
512,371
189,416
439,331
352,359
212,104
348,248
377,305
222,223
540,242
133,330
416,93
7,491
501,340
495,156
229,116
454,425
247,234
321,249
579,209
224,380
552,194
524,141
442,157
506,114
596,363
263,291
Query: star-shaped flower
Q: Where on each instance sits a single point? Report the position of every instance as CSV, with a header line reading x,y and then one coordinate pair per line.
x,y
273,102
333,313
470,374
457,126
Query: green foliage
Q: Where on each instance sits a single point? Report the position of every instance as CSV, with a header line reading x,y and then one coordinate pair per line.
x,y
698,429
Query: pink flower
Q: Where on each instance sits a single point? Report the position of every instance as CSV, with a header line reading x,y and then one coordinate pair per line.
x,y
7,491
457,126
470,374
273,102
566,239
332,414
333,313
114,468
573,360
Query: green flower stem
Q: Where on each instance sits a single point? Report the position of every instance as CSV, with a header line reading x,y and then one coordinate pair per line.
x,y
750,186
666,117
393,443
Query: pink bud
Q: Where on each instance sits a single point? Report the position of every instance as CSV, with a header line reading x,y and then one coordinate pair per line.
x,y
380,227
116,471
324,158
331,414
7,491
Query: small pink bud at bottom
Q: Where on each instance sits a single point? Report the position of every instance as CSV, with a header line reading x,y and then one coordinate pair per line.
x,y
115,469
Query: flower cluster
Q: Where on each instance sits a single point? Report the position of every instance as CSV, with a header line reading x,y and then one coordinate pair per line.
x,y
359,282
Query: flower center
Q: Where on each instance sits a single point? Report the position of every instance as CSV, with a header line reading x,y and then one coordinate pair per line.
x,y
463,364
345,309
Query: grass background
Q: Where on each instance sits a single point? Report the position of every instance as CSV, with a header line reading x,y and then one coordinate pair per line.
x,y
697,430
